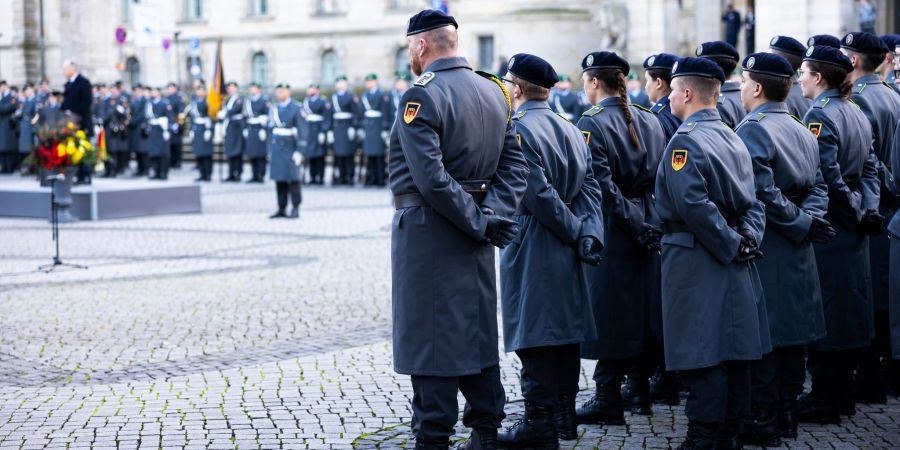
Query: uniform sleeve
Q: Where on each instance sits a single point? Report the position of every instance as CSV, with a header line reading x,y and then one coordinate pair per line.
x,y
726,114
386,117
587,203
615,204
7,107
838,191
690,200
870,184
327,116
895,157
541,198
509,181
789,220
421,147
816,201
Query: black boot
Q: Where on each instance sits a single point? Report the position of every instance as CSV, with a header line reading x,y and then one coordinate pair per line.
x,y
535,430
483,439
605,408
295,213
787,420
700,436
278,215
727,437
431,446
566,425
664,388
815,410
636,394
761,428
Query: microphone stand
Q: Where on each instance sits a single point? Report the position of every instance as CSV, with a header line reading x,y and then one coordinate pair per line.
x,y
54,222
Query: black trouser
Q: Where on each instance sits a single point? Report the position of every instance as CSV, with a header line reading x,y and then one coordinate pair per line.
x,y
176,150
375,170
347,169
204,166
874,361
719,394
122,160
235,167
832,376
548,372
84,173
282,188
109,166
142,163
258,168
317,170
7,161
160,166
611,372
435,409
777,379
18,159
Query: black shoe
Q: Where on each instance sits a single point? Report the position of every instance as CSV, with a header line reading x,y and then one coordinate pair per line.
x,y
566,424
430,446
605,408
199,179
485,439
636,395
787,422
761,428
536,430
295,213
699,437
664,389
278,215
813,410
872,392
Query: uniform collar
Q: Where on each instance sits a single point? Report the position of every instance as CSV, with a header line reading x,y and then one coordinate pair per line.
x,y
704,115
731,86
374,90
563,93
828,93
254,98
533,104
662,102
872,78
771,108
610,101
285,103
453,62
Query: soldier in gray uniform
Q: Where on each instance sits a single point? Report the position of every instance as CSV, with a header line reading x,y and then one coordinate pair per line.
x,y
894,231
137,131
790,185
256,118
232,115
456,173
159,116
726,56
711,292
376,124
344,106
561,228
176,142
115,121
285,124
316,114
881,105
564,101
27,123
658,71
9,147
201,133
400,87
826,40
848,164
792,50
626,143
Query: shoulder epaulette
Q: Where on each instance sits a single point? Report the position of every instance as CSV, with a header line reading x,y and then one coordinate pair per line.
x,y
520,114
799,120
886,84
853,102
859,88
687,128
562,117
641,107
496,80
758,117
658,108
721,99
593,111
821,103
424,79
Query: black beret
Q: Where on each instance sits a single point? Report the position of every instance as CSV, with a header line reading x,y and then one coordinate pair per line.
x,y
788,45
255,84
428,20
719,49
533,69
231,83
697,67
100,85
172,84
282,86
828,55
824,39
662,61
605,60
768,64
862,42
891,40
54,93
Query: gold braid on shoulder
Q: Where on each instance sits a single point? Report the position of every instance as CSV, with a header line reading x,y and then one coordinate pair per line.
x,y
496,80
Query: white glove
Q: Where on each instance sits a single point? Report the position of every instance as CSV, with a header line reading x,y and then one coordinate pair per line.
x,y
321,138
262,134
120,109
361,133
386,137
207,135
166,135
297,157
191,135
246,133
221,115
329,137
351,133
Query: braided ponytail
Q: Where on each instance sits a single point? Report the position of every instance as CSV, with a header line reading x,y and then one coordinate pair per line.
x,y
622,90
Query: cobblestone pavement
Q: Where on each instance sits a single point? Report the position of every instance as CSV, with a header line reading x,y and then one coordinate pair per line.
x,y
229,330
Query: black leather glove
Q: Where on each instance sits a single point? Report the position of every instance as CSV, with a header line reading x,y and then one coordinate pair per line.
x,y
872,223
589,250
749,249
649,238
820,231
500,231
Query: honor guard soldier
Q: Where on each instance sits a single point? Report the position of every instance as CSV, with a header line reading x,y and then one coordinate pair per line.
x,y
176,143
232,117
887,69
400,87
457,174
881,105
848,164
51,113
560,229
726,56
658,71
376,124
256,116
101,94
565,102
44,92
792,50
711,293
894,230
626,143
785,159
159,118
343,136
826,40
116,117
316,114
137,130
27,125
201,133
9,147
284,151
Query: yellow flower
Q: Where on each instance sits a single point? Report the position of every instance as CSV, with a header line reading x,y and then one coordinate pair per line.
x,y
80,134
61,150
70,149
87,145
71,126
76,158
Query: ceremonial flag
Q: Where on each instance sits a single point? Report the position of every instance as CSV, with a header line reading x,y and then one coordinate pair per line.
x,y
217,85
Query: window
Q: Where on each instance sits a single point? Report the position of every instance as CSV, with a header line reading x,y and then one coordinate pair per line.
x,y
132,71
485,52
402,60
259,8
259,69
195,67
331,67
193,9
329,7
408,4
128,10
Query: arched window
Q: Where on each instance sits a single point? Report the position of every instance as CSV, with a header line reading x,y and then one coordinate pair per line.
x,y
401,60
259,69
331,67
132,71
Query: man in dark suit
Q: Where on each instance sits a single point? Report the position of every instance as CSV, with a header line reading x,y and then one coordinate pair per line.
x,y
77,101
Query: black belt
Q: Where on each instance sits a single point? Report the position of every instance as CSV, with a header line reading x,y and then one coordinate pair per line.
x,y
682,227
852,183
477,189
